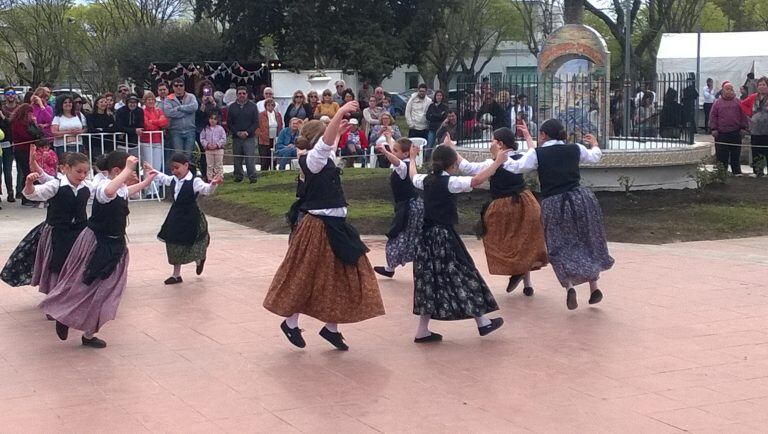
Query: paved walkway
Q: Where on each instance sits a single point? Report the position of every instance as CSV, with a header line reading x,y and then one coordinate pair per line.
x,y
679,344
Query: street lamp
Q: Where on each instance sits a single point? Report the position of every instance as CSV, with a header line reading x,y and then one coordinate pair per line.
x,y
627,82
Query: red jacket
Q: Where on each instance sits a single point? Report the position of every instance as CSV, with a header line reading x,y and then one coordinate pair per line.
x,y
263,130
21,135
363,139
154,120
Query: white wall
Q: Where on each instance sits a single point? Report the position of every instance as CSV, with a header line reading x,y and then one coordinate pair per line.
x,y
285,82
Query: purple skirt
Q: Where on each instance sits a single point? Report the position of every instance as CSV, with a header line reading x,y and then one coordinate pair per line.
x,y
42,277
80,306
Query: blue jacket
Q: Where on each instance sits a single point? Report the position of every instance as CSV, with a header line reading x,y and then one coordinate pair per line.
x,y
285,138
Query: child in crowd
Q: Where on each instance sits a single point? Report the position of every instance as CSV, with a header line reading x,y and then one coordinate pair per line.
x,y
38,259
409,207
185,230
325,273
571,214
94,275
447,285
213,138
510,225
46,158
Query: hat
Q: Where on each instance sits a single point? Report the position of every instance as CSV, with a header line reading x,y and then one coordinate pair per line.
x,y
725,83
10,92
132,96
325,119
354,121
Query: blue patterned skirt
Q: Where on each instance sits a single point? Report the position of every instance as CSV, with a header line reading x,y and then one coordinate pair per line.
x,y
401,249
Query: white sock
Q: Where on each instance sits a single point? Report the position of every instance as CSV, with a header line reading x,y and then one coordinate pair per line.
x,y
389,269
423,330
527,280
332,327
593,286
88,335
482,321
292,321
177,271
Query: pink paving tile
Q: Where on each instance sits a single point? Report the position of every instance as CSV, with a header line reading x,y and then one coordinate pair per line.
x,y
689,419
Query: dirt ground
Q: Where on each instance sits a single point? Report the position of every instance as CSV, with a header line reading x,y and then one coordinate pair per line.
x,y
736,209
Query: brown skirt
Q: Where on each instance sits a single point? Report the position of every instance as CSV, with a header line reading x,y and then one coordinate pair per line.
x,y
514,236
313,281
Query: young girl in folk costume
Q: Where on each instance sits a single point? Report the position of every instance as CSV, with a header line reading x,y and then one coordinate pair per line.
x,y
94,275
185,230
409,207
41,254
573,220
325,273
447,285
511,223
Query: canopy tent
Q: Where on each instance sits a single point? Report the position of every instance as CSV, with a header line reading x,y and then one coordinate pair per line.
x,y
724,56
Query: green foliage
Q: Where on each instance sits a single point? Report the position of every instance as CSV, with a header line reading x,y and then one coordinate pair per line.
x,y
713,19
703,177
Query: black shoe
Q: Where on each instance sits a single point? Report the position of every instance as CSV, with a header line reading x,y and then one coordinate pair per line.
x,y
19,195
11,199
238,179
596,297
293,335
173,280
490,328
570,301
253,180
25,202
513,282
383,271
336,339
93,342
62,331
199,269
49,318
433,337
528,291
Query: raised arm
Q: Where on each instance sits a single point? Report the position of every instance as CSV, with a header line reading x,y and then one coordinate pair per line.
x,y
332,130
591,154
393,160
135,188
486,173
110,191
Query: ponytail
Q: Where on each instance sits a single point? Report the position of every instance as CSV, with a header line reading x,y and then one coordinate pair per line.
x,y
443,157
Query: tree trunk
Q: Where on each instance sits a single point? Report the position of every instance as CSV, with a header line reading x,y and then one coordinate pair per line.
x,y
573,11
444,80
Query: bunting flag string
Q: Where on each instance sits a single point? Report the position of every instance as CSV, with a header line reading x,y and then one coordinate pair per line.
x,y
234,72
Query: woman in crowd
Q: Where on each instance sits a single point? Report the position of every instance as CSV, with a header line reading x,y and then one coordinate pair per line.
x,y
436,114
505,101
270,124
756,107
151,138
66,126
646,117
448,128
371,115
729,125
313,100
349,96
327,107
386,123
6,111
25,132
43,111
298,108
102,123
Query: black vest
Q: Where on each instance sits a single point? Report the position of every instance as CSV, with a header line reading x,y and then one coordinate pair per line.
x,y
558,168
322,190
505,183
440,206
402,189
66,209
109,219
182,225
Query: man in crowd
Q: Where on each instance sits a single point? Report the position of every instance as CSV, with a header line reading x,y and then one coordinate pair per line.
x,y
162,94
243,119
341,86
180,111
285,146
709,95
9,105
416,113
129,119
268,93
122,92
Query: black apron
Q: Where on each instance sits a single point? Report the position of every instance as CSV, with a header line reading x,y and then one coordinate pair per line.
x,y
182,225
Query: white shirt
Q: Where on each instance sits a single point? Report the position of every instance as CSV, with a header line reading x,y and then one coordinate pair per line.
x,y
260,106
101,194
272,117
317,158
46,191
119,105
708,95
68,124
527,111
530,161
469,168
402,168
230,96
198,185
456,184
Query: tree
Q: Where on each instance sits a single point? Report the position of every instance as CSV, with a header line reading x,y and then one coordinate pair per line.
x,y
535,22
757,10
487,24
447,47
712,18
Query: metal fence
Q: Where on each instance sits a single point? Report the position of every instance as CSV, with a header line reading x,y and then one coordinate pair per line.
x,y
662,119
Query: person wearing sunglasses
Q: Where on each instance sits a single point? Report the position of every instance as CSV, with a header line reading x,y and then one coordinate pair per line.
x,y
122,92
180,111
299,108
341,86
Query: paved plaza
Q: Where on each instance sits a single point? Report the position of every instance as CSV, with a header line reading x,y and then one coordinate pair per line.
x,y
680,343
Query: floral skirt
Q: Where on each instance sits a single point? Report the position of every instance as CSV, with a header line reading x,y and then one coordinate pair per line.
x,y
447,284
311,280
575,234
19,268
514,237
401,249
179,254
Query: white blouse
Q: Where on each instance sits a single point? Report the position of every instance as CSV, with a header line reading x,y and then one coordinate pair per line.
x,y
530,161
317,158
198,185
456,184
46,191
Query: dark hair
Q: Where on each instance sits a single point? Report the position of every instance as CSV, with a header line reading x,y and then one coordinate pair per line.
x,y
214,116
434,96
404,144
443,157
348,91
178,80
506,137
762,79
115,160
554,129
75,158
162,83
42,142
239,88
58,109
179,157
64,158
422,85
100,163
21,113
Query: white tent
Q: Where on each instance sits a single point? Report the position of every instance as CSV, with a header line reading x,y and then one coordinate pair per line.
x,y
724,56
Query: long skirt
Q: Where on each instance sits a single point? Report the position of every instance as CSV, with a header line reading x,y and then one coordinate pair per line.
x,y
19,268
80,306
42,277
514,237
313,281
447,284
575,234
179,254
401,249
